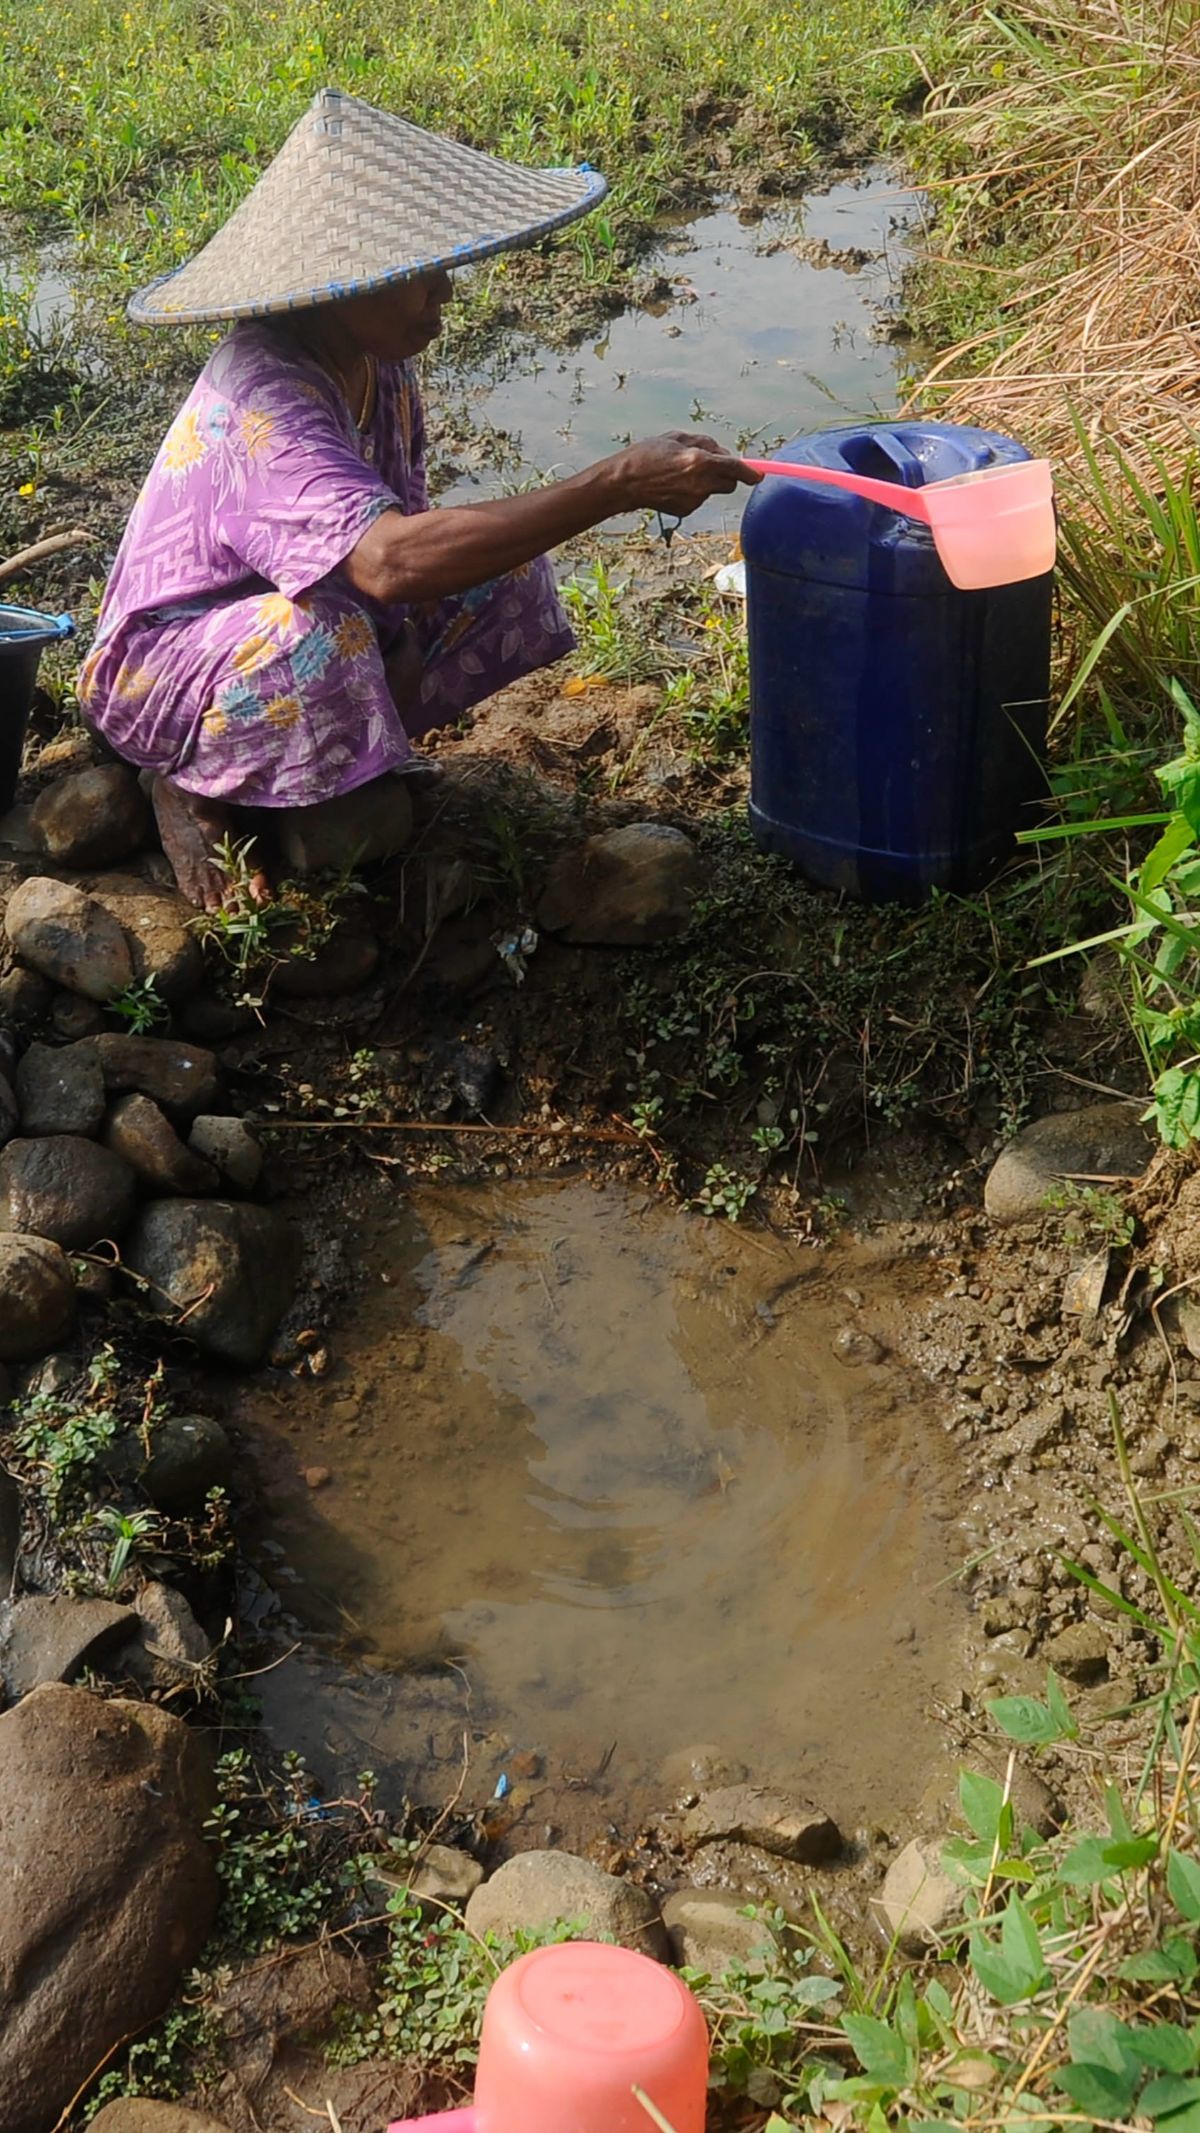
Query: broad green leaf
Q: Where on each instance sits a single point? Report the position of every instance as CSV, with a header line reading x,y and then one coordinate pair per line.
x,y
1019,1937
814,1991
1175,1963
1176,839
1098,2090
1165,2044
1170,2093
1099,2039
1059,1708
982,1801
1024,1719
880,2052
1183,1885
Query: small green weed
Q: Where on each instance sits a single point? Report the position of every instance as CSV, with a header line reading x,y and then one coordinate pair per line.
x,y
141,1006
609,641
726,1193
1093,1216
62,1440
271,1888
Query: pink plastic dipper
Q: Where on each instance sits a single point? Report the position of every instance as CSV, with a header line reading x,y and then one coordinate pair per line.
x,y
568,2033
991,527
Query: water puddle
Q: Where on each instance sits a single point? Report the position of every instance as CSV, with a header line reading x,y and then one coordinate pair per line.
x,y
600,1487
763,330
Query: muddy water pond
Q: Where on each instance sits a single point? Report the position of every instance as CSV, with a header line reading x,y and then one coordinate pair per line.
x,y
757,331
590,1482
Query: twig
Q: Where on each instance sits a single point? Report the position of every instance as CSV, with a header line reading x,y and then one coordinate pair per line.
x,y
625,1135
53,544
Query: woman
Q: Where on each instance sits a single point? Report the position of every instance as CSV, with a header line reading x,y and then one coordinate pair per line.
x,y
285,615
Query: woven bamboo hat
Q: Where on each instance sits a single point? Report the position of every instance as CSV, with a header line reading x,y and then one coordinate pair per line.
x,y
358,200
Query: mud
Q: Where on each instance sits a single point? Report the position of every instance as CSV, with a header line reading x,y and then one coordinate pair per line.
x,y
561,1417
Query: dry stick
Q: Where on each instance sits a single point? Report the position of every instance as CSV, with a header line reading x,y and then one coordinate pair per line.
x,y
54,544
422,1125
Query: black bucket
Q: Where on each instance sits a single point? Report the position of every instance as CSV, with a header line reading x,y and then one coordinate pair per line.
x,y
24,635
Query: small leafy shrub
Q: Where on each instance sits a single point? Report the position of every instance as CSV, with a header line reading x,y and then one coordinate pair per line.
x,y
271,1886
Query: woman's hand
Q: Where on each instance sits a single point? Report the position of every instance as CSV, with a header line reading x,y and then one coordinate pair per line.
x,y
678,472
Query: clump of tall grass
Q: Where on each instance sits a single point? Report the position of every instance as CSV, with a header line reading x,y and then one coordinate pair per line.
x,y
1070,145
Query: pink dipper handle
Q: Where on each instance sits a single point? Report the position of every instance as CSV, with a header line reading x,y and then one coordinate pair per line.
x,y
914,503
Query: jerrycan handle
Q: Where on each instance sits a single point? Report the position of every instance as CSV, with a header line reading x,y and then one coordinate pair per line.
x,y
909,469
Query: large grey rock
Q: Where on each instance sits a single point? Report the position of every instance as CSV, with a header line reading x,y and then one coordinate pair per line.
x,y
69,938
1102,1141
112,1888
709,1931
182,1078
144,1137
136,2114
37,1296
60,1089
172,1647
24,997
228,1144
334,836
774,1821
229,1266
158,925
445,1875
537,1889
48,1637
919,1903
91,817
65,1188
189,1455
73,1017
624,887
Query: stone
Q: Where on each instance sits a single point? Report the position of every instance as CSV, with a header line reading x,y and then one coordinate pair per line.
x,y
335,836
73,1017
919,1903
445,1875
60,1090
1079,1652
172,1647
183,1078
774,1821
91,818
700,1767
538,1889
1036,1805
73,749
341,965
9,1111
316,1477
854,1345
1102,1141
708,1931
37,1297
229,1145
69,938
189,1455
144,1137
24,997
102,1809
48,1637
10,1530
229,1265
65,1188
136,2114
159,927
623,888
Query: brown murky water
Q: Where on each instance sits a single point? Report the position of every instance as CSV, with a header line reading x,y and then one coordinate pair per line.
x,y
602,1488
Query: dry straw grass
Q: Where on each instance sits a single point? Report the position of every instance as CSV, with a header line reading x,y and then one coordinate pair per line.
x,y
1076,137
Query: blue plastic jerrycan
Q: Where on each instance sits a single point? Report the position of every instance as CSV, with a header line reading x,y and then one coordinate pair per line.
x,y
897,726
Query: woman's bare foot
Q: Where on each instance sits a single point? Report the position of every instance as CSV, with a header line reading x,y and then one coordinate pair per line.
x,y
191,828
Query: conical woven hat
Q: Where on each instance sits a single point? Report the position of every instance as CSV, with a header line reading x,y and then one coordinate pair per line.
x,y
355,200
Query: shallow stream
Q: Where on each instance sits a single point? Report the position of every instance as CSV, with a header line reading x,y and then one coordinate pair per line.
x,y
597,1482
